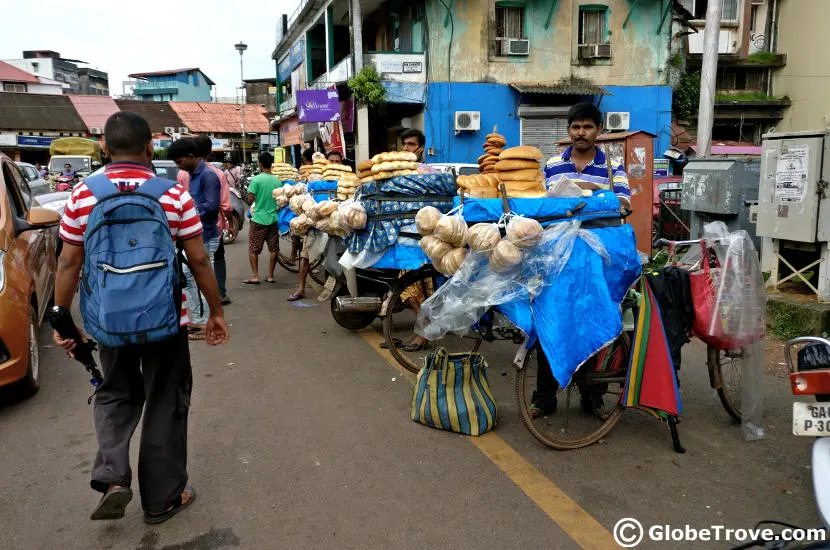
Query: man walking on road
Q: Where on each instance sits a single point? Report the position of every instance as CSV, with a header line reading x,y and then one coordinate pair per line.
x,y
263,227
204,146
157,376
206,189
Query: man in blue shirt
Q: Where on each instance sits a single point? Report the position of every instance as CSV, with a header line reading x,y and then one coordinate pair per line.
x,y
205,188
583,162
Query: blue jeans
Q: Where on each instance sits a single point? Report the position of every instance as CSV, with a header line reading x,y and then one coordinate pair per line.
x,y
196,303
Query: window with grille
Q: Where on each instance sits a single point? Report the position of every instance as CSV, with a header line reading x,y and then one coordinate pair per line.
x,y
591,26
729,9
14,87
509,24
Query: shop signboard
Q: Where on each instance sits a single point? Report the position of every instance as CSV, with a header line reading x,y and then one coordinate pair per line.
x,y
332,135
35,141
318,106
292,60
347,115
8,139
661,168
291,133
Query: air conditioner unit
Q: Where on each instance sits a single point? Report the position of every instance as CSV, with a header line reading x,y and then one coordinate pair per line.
x,y
169,130
183,130
96,131
517,46
594,51
467,121
616,121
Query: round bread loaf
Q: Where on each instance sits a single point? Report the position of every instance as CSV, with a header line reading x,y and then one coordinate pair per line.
x,y
520,175
525,152
365,165
496,139
495,151
524,185
489,168
481,158
492,180
516,164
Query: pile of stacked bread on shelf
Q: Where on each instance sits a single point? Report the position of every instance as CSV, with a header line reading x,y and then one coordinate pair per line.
x,y
493,147
284,171
305,171
479,186
388,165
333,171
519,169
347,185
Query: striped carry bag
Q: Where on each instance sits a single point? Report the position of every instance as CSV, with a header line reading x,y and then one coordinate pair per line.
x,y
452,393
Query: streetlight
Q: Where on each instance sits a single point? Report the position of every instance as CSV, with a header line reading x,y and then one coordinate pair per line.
x,y
241,47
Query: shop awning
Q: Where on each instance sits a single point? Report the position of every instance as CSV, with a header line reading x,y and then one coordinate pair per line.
x,y
559,89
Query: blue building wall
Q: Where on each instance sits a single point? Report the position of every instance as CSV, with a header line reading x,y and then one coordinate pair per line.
x,y
187,86
497,103
650,108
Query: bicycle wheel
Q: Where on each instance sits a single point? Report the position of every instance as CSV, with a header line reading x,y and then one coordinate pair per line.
x,y
288,252
399,323
582,412
725,376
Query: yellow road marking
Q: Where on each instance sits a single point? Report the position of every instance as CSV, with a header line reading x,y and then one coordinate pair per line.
x,y
575,521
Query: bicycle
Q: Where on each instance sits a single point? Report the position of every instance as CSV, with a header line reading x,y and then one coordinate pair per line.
x,y
290,261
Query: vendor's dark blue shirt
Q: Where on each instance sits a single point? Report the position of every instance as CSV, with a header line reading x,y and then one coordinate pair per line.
x,y
205,189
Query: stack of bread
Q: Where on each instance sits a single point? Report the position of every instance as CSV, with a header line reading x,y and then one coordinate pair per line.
x,y
284,171
364,169
444,238
389,165
333,172
492,149
283,194
305,171
479,186
518,168
347,185
318,167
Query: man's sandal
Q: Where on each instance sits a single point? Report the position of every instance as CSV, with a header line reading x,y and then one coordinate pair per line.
x,y
187,498
113,504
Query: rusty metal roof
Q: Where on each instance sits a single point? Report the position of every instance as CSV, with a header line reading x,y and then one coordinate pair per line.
x,y
158,114
559,89
94,109
39,112
221,117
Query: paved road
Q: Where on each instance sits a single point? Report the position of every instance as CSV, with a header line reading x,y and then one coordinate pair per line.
x,y
301,438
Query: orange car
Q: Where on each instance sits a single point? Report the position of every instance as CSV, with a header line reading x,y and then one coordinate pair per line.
x,y
27,277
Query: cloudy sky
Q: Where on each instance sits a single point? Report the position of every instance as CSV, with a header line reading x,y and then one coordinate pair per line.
x,y
128,37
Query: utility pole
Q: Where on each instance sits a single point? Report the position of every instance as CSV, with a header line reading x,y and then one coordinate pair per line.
x,y
362,114
708,77
241,47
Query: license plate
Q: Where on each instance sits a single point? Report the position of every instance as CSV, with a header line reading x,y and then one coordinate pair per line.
x,y
811,419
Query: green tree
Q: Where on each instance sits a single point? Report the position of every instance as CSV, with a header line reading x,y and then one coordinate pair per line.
x,y
367,88
686,100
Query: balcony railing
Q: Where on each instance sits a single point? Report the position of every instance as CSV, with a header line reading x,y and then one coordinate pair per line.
x,y
155,85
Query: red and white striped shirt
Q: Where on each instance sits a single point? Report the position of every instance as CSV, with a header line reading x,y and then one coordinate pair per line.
x,y
177,204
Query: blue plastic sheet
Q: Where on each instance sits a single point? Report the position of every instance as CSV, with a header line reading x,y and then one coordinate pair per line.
x,y
601,205
284,217
399,256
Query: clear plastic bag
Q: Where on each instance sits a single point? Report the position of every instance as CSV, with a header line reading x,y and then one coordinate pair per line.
x,y
476,286
739,313
563,187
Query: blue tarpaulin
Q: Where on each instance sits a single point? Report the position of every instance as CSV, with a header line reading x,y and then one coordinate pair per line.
x,y
602,205
318,189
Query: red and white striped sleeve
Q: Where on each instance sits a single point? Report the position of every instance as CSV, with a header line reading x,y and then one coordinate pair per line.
x,y
75,215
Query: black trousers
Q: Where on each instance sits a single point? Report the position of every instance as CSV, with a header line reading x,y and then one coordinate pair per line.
x,y
158,379
220,268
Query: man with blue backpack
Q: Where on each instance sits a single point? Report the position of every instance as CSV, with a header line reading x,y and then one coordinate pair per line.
x,y
121,230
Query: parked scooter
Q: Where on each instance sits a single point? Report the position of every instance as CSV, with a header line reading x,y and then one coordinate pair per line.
x,y
809,375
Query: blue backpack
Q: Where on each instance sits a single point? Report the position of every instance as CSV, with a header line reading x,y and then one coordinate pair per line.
x,y
131,285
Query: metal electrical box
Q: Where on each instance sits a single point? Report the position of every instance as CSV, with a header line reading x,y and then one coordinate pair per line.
x,y
718,189
795,170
